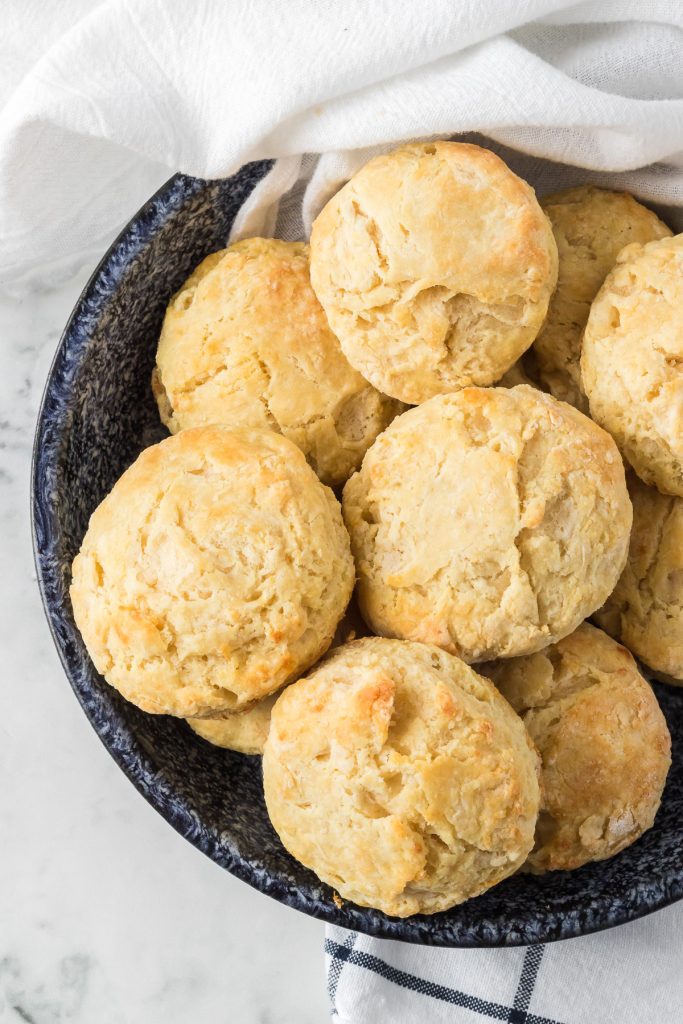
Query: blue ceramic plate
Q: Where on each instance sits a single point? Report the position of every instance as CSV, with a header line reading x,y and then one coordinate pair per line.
x,y
96,416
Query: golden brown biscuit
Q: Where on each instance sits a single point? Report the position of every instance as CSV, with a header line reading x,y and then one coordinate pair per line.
x,y
245,732
632,360
645,612
489,522
214,572
435,265
591,225
604,746
245,342
401,777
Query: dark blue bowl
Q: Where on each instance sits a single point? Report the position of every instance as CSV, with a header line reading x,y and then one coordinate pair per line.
x,y
96,416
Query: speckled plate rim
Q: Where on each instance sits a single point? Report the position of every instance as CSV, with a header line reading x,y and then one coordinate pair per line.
x,y
133,761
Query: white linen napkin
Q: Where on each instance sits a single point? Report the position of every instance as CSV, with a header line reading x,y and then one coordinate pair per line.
x,y
126,92
103,101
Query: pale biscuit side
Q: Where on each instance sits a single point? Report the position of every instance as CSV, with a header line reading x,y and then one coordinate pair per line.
x,y
215,571
245,732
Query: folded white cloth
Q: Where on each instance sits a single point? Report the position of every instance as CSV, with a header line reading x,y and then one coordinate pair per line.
x,y
128,91
630,975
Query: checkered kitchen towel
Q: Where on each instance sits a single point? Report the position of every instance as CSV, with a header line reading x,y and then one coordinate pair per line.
x,y
630,975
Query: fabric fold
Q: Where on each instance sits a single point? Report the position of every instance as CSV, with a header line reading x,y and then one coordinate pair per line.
x,y
131,91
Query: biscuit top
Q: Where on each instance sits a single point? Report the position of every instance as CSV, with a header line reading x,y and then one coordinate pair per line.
x,y
490,522
401,777
632,360
216,570
604,746
245,342
591,226
645,611
434,265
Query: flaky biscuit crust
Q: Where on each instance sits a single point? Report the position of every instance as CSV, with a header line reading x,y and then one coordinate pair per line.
x,y
401,777
645,611
490,522
435,265
632,360
214,572
591,226
246,343
604,744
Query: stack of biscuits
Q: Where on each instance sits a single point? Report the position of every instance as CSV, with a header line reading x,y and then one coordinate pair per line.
x,y
393,494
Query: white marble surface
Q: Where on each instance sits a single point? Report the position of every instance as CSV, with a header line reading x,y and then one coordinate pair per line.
x,y
107,916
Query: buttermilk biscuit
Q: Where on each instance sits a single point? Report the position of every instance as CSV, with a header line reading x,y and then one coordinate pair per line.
x,y
246,343
591,226
632,360
604,746
517,374
214,572
245,732
435,265
645,612
401,777
489,522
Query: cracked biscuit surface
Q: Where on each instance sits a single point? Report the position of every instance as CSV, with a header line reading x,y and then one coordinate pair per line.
x,y
632,360
214,572
401,777
246,343
604,745
490,522
591,226
645,611
435,265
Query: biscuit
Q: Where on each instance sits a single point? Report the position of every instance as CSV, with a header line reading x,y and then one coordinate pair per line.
x,y
632,360
435,265
401,777
245,732
591,226
604,745
490,522
645,612
214,572
245,342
